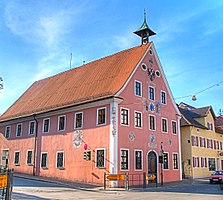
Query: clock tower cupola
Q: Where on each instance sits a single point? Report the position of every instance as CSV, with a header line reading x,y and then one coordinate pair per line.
x,y
144,31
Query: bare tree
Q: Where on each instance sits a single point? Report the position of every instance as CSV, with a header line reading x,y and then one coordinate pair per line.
x,y
1,83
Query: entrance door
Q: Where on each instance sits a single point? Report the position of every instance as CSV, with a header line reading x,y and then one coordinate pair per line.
x,y
5,158
152,164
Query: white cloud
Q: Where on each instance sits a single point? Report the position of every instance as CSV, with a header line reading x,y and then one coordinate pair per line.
x,y
48,30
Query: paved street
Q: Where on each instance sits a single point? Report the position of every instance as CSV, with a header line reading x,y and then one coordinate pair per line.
x,y
42,190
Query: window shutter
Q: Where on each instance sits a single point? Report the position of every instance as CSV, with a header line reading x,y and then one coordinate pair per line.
x,y
200,141
204,142
197,141
197,161
193,161
192,140
214,144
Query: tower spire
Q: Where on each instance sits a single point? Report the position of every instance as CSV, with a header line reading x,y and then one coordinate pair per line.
x,y
144,31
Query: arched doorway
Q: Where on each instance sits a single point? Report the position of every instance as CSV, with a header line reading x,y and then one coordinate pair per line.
x,y
152,163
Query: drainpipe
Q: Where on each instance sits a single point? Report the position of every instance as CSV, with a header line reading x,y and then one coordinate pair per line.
x,y
35,145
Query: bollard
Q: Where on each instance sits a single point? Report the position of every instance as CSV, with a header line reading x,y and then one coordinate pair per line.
x,y
144,179
104,180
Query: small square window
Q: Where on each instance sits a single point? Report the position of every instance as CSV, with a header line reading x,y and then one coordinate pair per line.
x,y
17,158
138,119
44,160
138,88
78,120
174,127
100,158
18,130
61,123
163,97
165,161
152,122
46,125
138,160
164,125
101,116
151,93
124,116
29,157
60,160
32,127
175,161
124,159
7,131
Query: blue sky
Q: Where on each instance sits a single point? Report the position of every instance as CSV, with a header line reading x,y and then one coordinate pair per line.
x,y
38,37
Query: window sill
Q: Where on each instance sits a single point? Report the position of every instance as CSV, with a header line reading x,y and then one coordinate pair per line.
x,y
61,168
44,168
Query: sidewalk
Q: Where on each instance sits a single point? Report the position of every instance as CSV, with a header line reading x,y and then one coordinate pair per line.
x,y
96,188
75,185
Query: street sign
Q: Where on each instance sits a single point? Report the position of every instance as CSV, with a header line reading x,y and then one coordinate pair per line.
x,y
116,177
3,180
150,177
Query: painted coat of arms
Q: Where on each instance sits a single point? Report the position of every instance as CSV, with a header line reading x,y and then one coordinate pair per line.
x,y
77,140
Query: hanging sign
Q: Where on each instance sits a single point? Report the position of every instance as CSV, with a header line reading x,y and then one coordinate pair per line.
x,y
3,180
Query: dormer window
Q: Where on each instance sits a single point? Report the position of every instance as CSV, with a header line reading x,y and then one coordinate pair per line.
x,y
163,97
138,88
210,126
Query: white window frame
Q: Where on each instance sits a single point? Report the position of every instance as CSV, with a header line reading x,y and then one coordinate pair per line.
x,y
17,130
196,165
140,127
128,116
48,125
75,120
153,93
203,163
175,153
135,88
96,158
34,131
162,124
168,157
46,160
57,160
16,164
31,157
161,97
105,116
154,122
135,159
10,129
58,123
173,121
128,159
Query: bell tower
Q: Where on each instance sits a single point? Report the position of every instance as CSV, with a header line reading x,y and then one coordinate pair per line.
x,y
144,31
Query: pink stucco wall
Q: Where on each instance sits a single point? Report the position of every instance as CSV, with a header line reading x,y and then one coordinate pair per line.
x,y
75,167
142,135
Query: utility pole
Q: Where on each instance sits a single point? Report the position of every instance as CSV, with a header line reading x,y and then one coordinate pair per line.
x,y
161,151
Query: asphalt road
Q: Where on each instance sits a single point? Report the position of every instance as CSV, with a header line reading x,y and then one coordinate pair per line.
x,y
186,190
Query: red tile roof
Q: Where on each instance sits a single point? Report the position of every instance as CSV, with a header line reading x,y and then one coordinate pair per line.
x,y
219,121
96,80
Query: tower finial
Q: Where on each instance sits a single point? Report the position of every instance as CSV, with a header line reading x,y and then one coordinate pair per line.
x,y
144,15
144,31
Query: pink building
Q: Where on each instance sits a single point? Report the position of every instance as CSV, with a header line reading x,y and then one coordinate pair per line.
x,y
117,110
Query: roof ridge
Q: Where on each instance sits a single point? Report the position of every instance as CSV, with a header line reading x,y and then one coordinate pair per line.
x,y
91,62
